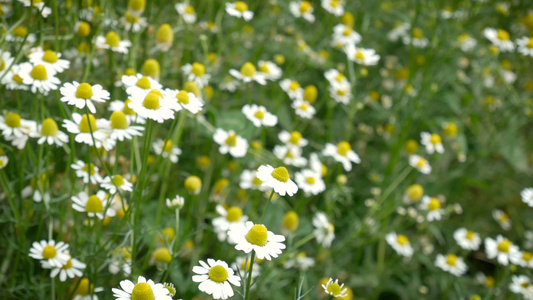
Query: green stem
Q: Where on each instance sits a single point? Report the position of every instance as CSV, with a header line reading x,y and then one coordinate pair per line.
x,y
249,281
266,207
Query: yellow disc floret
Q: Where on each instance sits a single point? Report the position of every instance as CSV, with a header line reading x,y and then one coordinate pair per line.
x,y
248,69
49,127
151,101
94,205
112,39
13,120
281,174
434,204
118,120
241,6
49,252
84,91
402,239
39,73
343,148
142,291
291,220
50,56
86,125
257,235
234,214
218,274
183,97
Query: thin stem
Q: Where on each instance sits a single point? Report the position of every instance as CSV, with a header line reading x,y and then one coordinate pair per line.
x,y
249,281
266,206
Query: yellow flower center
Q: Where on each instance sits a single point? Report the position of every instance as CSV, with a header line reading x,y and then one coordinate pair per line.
x,y
259,114
334,3
162,254
13,120
241,6
137,5
131,18
248,69
310,93
334,289
198,69
305,6
232,140
435,139
263,67
530,43
118,180
112,39
343,148
340,77
290,221
49,127
193,183
84,29
164,34
192,87
295,137
142,291
49,252
39,73
402,239
470,235
118,120
504,245
294,85
434,204
281,174
20,31
189,10
257,235
347,31
68,265
83,288
50,56
257,181
310,180
151,101
341,92
183,97
94,205
144,83
289,154
218,274
417,33
359,54
415,192
246,265
84,124
421,162
502,35
89,168
451,259
84,91
17,79
304,107
234,214
127,110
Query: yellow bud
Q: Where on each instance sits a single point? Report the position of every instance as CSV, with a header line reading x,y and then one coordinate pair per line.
x,y
411,146
162,254
290,221
84,29
193,184
348,19
310,93
151,68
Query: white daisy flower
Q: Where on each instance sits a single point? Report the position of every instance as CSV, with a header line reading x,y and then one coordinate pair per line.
x,y
230,143
153,106
38,78
270,70
167,150
73,268
196,72
175,203
14,126
278,179
521,284
525,46
248,73
303,108
50,59
85,171
141,290
523,259
333,288
466,42
249,180
123,106
39,5
341,93
345,35
94,205
302,9
119,128
133,23
111,183
362,56
12,79
334,7
451,263
82,126
83,94
139,84
259,115
292,139
433,207
6,60
187,12
239,9
292,88
300,262
310,181
185,100
215,278
242,265
420,163
502,249
232,215
500,38
324,230
432,142
342,153
113,42
48,132
4,160
527,196
48,251
416,39
400,243
502,218
249,237
467,239
290,155
335,77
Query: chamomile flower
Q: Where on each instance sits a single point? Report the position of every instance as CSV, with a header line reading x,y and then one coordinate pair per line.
x,y
301,262
290,155
73,268
502,218
270,70
335,77
342,153
196,72
527,196
466,42
521,284
432,142
500,38
12,79
420,163
341,93
293,139
255,237
333,288
242,265
94,205
123,106
153,106
523,259
83,94
186,11
175,203
111,183
121,261
310,182
14,126
4,160
113,42
451,263
259,115
87,171
86,291
292,88
239,9
119,129
50,59
303,108
324,230
83,125
48,132
362,56
228,217
248,73
215,278
38,78
467,239
54,254
433,207
302,9
230,143
133,23
184,100
502,249
39,5
416,39
249,180
167,149
139,84
141,290
334,7
400,243
525,46
345,35
6,60
278,179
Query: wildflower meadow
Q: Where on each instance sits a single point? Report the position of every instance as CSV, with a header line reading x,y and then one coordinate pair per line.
x,y
276,149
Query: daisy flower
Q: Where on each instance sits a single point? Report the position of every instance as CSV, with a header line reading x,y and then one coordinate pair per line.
x,y
196,72
86,171
278,179
12,79
123,106
502,218
230,143
164,37
48,251
500,38
4,160
432,142
167,150
362,56
94,205
345,35
141,290
259,115
416,39
521,284
73,268
48,132
333,288
342,153
175,203
451,263
215,278
232,215
303,108
50,59
400,243
270,70
525,46
83,94
290,155
523,259
39,5
433,207
38,78
117,181
242,265
139,84
6,60
341,93
119,128
112,41
133,23
527,196
14,126
187,12
302,9
292,139
85,291
82,126
310,182
466,42
300,262
256,237
467,239
239,9
185,100
248,73
153,106
292,88
334,7
249,180
502,249
324,231
121,261
420,163
335,77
